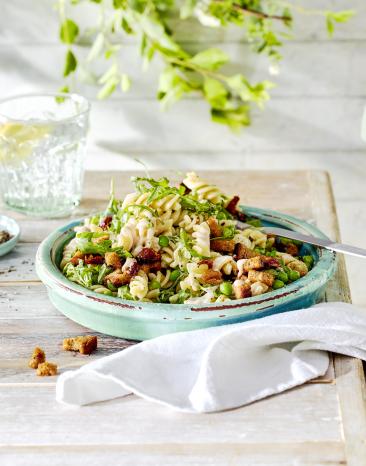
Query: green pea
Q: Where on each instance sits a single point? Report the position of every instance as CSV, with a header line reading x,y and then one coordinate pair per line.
x,y
309,261
278,284
226,288
293,275
282,276
163,241
154,285
175,275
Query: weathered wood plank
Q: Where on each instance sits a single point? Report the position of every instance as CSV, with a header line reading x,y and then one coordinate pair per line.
x,y
350,378
272,454
28,319
306,414
19,264
286,124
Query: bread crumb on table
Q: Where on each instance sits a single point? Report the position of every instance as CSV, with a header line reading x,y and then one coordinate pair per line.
x,y
38,357
84,344
47,369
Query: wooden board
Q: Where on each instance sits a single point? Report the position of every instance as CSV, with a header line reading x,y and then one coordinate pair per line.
x,y
320,423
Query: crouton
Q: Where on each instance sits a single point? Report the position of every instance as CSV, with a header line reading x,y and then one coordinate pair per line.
x,y
211,277
37,358
46,369
112,259
264,277
243,252
83,344
223,245
215,229
299,266
241,289
118,278
292,249
258,288
254,263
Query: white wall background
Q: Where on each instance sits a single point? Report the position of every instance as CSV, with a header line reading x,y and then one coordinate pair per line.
x,y
312,122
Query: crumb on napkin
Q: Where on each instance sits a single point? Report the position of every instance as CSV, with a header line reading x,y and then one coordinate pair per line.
x,y
47,369
84,344
38,356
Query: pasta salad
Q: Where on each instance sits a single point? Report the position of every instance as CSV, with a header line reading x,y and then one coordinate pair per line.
x,y
179,244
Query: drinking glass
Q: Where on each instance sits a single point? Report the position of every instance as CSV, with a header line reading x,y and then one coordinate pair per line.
x,y
42,148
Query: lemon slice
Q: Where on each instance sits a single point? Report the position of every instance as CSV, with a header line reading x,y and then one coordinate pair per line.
x,y
17,141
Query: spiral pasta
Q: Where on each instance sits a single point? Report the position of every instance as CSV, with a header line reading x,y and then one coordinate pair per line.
x,y
139,285
201,236
203,189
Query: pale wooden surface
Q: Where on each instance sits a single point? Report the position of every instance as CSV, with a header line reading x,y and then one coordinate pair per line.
x,y
320,423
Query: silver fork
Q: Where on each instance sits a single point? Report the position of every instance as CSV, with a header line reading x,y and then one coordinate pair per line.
x,y
324,243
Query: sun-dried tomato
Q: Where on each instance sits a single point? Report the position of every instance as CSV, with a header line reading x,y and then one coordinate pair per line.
x,y
93,259
105,222
148,255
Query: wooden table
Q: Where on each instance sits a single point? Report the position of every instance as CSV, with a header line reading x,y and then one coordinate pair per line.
x,y
323,422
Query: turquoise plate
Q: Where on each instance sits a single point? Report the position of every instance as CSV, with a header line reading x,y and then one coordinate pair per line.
x,y
139,320
11,226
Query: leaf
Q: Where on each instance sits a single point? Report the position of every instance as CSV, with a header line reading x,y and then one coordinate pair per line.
x,y
330,25
332,17
235,118
62,90
171,87
215,92
96,48
126,27
210,59
70,63
69,31
125,83
111,72
155,31
247,92
108,88
187,8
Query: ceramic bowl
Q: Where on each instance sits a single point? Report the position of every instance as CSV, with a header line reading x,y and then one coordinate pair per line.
x,y
11,226
139,320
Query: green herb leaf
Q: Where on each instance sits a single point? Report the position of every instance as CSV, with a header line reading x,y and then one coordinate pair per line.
x,y
70,63
69,31
210,59
215,92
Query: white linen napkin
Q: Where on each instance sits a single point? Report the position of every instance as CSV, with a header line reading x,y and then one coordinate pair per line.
x,y
223,367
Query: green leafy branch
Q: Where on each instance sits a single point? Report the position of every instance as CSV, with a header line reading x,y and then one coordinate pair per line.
x,y
230,96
